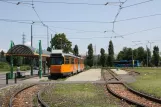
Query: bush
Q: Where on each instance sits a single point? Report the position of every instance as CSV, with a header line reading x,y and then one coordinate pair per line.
x,y
4,65
28,67
25,68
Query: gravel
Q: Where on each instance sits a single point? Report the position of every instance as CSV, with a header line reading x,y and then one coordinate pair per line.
x,y
26,97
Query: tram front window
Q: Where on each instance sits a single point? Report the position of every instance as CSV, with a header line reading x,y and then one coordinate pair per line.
x,y
56,61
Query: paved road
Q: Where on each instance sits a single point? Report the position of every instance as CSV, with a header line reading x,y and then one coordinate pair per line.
x,y
90,75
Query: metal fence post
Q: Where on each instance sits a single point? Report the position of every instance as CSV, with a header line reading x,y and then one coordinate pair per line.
x,y
15,78
6,78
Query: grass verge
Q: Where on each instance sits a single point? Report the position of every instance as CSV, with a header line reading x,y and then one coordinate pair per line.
x,y
149,81
79,95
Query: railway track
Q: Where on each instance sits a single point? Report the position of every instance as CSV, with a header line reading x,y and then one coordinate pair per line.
x,y
122,91
24,97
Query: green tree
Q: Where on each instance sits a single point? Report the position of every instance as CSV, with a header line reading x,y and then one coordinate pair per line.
x,y
90,55
155,57
2,54
141,54
126,54
59,41
103,58
76,52
110,58
49,49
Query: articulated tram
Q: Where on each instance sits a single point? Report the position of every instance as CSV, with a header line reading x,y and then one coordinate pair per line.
x,y
65,64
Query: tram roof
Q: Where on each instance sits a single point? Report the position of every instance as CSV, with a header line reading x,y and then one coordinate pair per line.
x,y
23,50
64,54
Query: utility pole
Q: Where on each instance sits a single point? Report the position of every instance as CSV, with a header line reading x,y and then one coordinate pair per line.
x,y
147,55
61,42
150,50
132,59
96,55
47,37
31,36
23,39
51,42
40,59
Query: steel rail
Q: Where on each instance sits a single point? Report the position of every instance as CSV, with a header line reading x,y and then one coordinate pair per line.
x,y
139,93
42,103
136,92
119,96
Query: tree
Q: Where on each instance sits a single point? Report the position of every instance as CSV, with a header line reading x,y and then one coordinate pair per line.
x,y
103,58
76,52
59,41
138,54
49,49
2,54
110,57
90,55
155,57
141,54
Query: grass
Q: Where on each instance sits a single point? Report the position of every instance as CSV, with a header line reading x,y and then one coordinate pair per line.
x,y
6,67
149,81
78,95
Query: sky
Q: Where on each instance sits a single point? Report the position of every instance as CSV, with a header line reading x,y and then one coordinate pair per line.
x,y
91,32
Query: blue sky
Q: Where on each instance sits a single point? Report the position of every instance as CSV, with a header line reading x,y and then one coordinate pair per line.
x,y
69,12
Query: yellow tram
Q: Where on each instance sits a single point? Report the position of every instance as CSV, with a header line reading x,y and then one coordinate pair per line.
x,y
65,64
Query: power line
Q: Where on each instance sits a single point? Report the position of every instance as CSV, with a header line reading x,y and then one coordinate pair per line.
x,y
138,17
16,21
70,3
141,31
71,21
104,22
97,37
119,10
38,15
138,3
78,30
23,21
6,1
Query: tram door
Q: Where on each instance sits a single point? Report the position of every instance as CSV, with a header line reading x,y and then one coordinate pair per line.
x,y
78,65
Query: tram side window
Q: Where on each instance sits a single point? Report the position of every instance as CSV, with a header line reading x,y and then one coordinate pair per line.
x,y
56,60
67,60
72,60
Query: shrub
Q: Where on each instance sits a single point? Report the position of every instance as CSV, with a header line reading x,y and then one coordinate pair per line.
x,y
4,65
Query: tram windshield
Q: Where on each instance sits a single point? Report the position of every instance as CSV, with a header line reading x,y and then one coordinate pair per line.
x,y
57,60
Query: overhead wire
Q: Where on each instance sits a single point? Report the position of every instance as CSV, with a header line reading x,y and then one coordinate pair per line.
x,y
9,20
119,10
77,29
71,3
138,17
17,3
138,3
115,19
141,31
122,20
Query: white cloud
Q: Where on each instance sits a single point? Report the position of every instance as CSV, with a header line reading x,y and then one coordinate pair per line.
x,y
28,43
5,50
